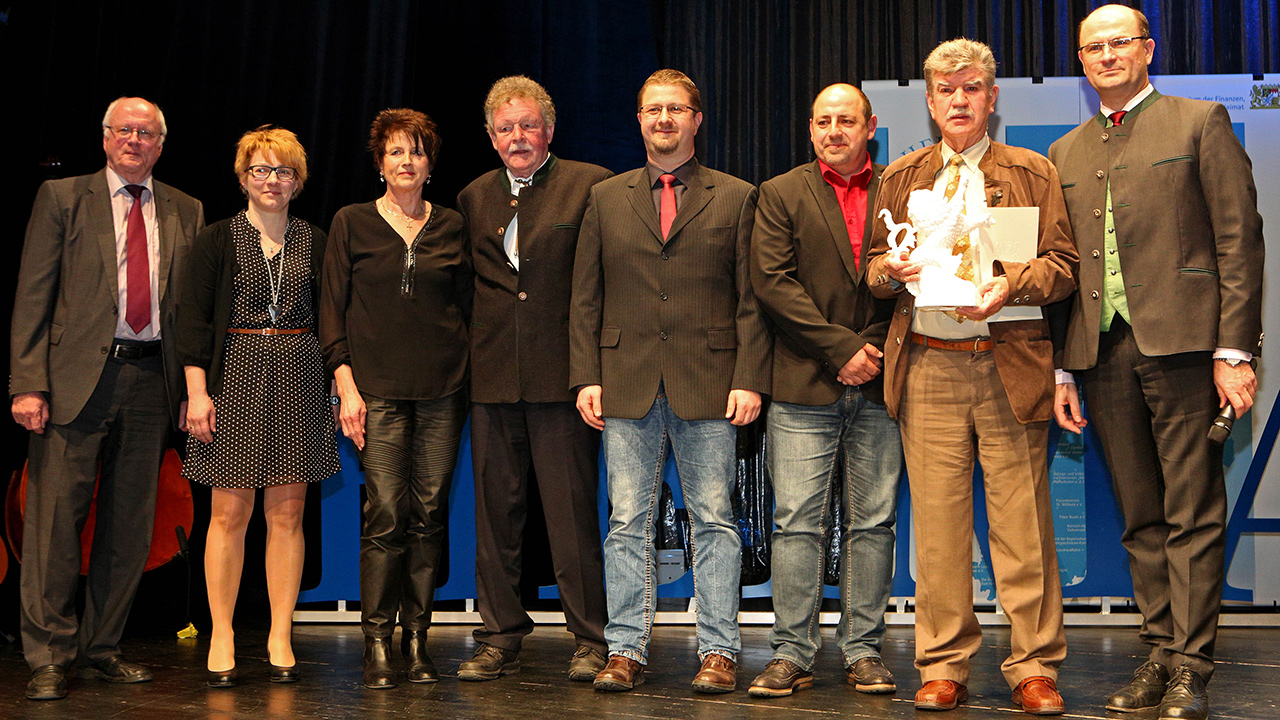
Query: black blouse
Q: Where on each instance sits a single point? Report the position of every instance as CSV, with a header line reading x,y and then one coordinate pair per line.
x,y
397,313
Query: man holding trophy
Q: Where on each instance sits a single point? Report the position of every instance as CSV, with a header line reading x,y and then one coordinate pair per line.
x,y
969,375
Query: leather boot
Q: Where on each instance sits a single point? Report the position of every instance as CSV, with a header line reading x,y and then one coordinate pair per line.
x,y
413,645
378,672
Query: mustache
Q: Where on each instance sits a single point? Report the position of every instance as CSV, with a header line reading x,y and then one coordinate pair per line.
x,y
520,146
959,114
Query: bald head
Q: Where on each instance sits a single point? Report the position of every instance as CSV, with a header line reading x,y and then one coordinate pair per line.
x,y
840,126
1115,51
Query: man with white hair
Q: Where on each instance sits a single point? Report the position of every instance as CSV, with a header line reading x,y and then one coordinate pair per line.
x,y
96,381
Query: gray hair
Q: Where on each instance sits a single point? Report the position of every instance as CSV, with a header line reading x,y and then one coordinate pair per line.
x,y
106,117
953,56
518,86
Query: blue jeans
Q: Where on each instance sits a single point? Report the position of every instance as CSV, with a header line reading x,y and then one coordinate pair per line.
x,y
635,452
802,443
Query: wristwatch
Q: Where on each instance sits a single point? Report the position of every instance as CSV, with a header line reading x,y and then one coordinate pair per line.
x,y
1232,361
335,400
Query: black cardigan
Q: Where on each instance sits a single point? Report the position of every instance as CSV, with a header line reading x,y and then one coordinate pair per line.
x,y
204,299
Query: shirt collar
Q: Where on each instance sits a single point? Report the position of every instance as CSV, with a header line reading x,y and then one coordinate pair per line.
x,y
115,183
538,175
1133,101
684,173
972,155
861,179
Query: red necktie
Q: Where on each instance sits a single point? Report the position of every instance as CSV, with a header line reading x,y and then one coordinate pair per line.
x,y
667,204
137,267
1117,117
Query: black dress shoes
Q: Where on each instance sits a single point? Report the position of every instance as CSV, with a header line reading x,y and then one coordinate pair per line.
x,y
223,678
48,682
283,674
1144,691
117,670
1186,697
378,671
413,645
489,663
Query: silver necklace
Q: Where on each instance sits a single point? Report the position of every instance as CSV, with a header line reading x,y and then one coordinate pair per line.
x,y
409,220
273,309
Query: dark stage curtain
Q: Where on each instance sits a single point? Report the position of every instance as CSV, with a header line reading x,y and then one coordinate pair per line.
x,y
760,64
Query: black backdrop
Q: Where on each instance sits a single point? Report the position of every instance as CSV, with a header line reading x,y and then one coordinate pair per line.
x,y
323,68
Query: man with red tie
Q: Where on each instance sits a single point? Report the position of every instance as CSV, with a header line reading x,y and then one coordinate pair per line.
x,y
667,343
95,380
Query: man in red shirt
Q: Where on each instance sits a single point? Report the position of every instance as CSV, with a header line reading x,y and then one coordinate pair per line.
x,y
808,270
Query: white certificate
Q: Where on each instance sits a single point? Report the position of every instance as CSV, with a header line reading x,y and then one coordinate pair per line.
x,y
1014,237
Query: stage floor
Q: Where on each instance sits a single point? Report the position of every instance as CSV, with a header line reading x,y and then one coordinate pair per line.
x,y
1246,684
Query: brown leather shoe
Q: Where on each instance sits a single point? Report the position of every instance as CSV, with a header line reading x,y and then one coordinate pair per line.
x,y
941,695
619,675
869,675
780,678
586,664
1038,695
719,674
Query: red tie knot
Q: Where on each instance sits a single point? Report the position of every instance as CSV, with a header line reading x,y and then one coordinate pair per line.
x,y
1117,117
667,179
135,190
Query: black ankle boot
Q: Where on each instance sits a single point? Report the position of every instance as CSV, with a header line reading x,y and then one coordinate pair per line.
x,y
378,673
413,644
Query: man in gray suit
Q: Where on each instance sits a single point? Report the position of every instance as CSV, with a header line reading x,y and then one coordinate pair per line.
x,y
667,342
1163,330
808,269
95,380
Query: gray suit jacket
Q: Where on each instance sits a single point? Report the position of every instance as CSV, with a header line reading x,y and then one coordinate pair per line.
x,y
680,311
65,307
1186,217
817,297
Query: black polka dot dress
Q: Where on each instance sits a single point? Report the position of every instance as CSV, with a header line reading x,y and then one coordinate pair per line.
x,y
273,418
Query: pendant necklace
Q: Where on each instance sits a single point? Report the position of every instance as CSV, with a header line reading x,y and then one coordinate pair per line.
x,y
273,309
409,220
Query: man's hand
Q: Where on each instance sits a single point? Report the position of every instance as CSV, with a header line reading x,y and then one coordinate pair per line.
x,y
1066,407
31,411
202,417
991,297
1236,385
743,408
901,268
862,367
590,407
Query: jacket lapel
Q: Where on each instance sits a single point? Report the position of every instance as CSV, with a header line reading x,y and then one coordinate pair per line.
x,y
825,196
104,224
641,198
170,226
696,197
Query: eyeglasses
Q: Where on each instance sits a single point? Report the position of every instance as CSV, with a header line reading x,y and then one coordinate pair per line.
x,y
262,172
675,110
1116,44
124,132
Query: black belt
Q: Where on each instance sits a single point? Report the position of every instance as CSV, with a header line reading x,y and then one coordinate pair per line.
x,y
133,349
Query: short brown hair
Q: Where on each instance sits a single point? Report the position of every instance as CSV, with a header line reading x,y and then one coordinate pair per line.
x,y
393,121
518,86
667,76
271,139
953,56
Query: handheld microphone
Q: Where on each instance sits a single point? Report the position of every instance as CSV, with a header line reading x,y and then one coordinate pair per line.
x,y
1221,427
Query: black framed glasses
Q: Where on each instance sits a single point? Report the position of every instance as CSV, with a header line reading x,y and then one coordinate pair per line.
x,y
675,110
283,173
124,132
1116,44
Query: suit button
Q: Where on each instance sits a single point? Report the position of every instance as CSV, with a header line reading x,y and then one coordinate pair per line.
x,y
515,203
1100,176
522,295
502,229
1026,298
899,340
115,311
1017,301
1105,137
1096,213
663,296
662,335
104,351
666,256
904,311
1094,294
1096,253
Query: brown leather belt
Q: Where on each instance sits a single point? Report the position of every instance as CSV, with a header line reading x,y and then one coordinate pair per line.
x,y
268,331
978,344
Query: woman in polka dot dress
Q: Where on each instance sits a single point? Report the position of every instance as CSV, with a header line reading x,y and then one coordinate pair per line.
x,y
257,397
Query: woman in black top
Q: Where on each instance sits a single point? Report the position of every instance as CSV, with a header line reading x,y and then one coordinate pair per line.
x,y
396,303
257,395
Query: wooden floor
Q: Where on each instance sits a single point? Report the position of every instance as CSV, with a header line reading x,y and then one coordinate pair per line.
x,y
1246,686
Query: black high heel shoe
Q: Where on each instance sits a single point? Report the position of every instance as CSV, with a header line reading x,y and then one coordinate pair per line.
x,y
281,674
224,678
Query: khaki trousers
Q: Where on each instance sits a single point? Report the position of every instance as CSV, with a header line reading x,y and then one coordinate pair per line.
x,y
954,410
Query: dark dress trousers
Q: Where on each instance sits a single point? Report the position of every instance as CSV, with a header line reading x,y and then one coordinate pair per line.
x,y
1189,240
819,306
105,409
681,312
523,415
